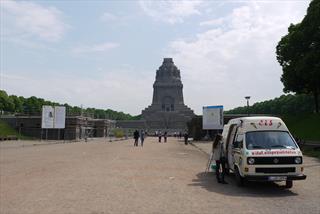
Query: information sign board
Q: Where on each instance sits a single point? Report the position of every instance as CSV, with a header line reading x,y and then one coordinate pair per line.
x,y
59,117
47,117
212,117
53,117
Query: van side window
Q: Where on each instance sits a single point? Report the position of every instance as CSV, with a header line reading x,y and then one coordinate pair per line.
x,y
238,143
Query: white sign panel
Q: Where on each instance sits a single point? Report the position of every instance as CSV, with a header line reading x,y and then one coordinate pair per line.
x,y
212,117
59,117
47,117
53,117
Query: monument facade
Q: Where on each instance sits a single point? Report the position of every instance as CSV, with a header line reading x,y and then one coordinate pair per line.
x,y
167,111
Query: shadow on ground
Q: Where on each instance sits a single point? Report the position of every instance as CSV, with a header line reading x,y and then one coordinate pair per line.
x,y
252,189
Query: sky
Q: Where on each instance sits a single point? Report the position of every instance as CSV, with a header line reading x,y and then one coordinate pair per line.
x,y
104,54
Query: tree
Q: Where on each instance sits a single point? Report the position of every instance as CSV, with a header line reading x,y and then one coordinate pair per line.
x,y
6,103
33,105
299,55
283,105
18,104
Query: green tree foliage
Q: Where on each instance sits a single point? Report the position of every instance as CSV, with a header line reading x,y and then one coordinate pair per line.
x,y
33,106
283,105
299,55
6,104
18,103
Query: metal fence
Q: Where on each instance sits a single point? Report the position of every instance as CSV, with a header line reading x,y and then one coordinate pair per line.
x,y
69,134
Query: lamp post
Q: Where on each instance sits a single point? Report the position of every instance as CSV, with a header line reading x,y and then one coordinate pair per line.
x,y
247,98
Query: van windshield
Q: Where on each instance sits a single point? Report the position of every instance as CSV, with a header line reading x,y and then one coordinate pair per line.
x,y
269,140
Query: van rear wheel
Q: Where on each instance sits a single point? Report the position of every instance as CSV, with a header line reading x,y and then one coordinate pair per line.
x,y
239,178
289,184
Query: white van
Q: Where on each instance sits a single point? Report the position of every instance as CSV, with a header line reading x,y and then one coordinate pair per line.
x,y
262,149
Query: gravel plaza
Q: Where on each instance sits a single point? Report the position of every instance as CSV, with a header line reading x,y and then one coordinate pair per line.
x,y
100,177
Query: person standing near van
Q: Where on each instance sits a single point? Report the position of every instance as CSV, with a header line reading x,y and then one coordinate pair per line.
x,y
219,157
142,137
136,137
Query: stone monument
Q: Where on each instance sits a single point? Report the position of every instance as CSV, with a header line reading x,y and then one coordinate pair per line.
x,y
167,111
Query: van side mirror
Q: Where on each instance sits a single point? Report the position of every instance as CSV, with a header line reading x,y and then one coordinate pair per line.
x,y
237,144
240,144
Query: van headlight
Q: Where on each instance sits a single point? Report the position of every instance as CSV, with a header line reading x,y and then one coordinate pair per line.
x,y
298,160
251,161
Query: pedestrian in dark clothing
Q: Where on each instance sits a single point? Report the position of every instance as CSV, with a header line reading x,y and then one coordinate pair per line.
x,y
186,136
180,135
136,137
142,137
165,136
159,135
219,157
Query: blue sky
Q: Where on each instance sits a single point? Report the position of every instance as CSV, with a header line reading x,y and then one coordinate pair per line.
x,y
104,54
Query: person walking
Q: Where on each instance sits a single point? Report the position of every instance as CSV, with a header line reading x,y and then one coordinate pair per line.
x,y
159,135
219,157
186,136
136,137
165,136
142,134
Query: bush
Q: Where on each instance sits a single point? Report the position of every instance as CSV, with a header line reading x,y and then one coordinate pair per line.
x,y
118,133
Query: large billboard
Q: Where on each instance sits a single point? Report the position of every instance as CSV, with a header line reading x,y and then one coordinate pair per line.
x,y
212,117
53,117
59,117
47,117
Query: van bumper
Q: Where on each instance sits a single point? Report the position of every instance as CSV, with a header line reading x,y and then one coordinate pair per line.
x,y
267,177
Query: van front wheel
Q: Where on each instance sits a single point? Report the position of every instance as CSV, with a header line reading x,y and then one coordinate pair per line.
x,y
289,184
239,178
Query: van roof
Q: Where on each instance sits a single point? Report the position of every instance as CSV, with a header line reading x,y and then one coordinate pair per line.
x,y
258,118
259,123
253,119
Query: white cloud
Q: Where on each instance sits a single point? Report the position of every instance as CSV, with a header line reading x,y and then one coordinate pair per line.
x,y
103,47
212,22
106,17
227,62
27,19
170,11
119,19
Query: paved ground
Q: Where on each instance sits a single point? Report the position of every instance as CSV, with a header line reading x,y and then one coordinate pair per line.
x,y
115,177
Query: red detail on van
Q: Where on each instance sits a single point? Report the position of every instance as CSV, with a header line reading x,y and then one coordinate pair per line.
x,y
265,123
